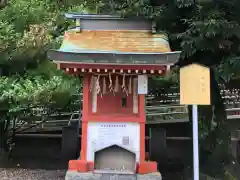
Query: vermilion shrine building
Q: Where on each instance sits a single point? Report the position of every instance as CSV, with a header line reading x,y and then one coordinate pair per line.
x,y
115,56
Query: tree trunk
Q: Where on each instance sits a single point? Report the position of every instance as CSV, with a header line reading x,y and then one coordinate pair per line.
x,y
2,137
2,127
218,140
4,124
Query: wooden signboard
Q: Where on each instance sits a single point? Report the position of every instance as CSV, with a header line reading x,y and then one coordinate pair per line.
x,y
195,85
142,84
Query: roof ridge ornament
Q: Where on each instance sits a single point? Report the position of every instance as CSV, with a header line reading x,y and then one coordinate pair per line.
x,y
154,27
102,22
80,16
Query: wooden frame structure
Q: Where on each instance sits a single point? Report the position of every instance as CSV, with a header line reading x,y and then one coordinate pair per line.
x,y
111,53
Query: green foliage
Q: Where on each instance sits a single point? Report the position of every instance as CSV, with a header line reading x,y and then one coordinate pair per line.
x,y
25,36
27,80
19,92
206,30
23,29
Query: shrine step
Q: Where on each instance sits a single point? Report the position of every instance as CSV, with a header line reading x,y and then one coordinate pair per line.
x,y
73,175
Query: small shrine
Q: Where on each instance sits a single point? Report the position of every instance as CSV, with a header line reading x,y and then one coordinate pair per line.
x,y
115,56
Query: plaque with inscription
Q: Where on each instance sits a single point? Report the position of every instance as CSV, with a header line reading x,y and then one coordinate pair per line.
x,y
108,132
195,85
112,176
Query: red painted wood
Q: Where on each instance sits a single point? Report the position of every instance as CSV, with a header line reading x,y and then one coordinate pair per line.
x,y
109,109
85,117
110,67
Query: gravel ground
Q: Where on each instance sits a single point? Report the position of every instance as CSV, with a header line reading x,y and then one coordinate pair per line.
x,y
27,174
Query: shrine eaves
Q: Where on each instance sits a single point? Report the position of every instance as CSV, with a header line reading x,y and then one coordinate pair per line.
x,y
100,42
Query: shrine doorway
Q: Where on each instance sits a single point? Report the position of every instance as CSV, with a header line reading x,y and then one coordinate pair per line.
x,y
115,158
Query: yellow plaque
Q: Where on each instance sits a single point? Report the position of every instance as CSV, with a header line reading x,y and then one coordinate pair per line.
x,y
195,85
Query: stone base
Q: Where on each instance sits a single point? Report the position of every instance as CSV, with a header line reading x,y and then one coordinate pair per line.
x,y
144,167
74,175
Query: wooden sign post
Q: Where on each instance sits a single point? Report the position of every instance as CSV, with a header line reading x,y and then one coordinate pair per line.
x,y
195,90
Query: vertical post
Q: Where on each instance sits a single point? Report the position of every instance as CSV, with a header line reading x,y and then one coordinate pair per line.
x,y
2,124
78,28
85,119
195,142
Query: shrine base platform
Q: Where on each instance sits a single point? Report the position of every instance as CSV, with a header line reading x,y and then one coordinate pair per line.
x,y
74,175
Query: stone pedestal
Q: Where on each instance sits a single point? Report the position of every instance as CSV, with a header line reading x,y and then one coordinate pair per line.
x,y
74,175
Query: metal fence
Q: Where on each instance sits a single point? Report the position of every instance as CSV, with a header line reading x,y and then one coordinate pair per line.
x,y
163,109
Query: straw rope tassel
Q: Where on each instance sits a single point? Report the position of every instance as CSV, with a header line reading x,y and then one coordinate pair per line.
x,y
98,87
116,88
94,95
91,83
123,85
110,83
135,96
104,86
130,85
